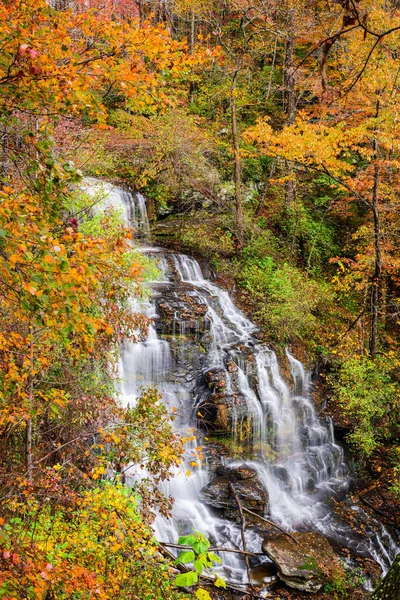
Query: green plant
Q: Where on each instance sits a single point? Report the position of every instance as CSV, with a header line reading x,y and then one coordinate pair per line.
x,y
201,559
208,238
98,547
287,302
368,393
343,584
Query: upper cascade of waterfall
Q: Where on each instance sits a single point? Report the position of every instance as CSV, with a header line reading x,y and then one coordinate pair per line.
x,y
221,381
133,204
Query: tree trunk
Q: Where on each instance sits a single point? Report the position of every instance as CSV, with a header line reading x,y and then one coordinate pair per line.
x,y
389,587
237,168
28,431
141,11
289,100
376,277
28,449
288,80
191,48
192,31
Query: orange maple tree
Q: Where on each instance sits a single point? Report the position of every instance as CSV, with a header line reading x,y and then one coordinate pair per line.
x,y
66,292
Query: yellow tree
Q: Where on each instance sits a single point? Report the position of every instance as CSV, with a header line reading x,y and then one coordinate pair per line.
x,y
64,293
352,138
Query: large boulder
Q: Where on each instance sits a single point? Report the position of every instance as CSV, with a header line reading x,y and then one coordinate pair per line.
x,y
218,494
300,565
225,414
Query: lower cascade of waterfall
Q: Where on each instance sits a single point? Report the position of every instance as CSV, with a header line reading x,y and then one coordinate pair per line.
x,y
204,356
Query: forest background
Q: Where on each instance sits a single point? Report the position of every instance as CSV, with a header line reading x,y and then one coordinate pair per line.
x,y
265,136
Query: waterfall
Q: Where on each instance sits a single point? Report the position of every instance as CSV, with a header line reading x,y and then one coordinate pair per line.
x,y
201,348
133,206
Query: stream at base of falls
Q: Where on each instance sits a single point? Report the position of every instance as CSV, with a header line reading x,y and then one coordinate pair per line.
x,y
223,384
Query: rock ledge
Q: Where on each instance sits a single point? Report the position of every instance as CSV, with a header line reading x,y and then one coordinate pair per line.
x,y
299,565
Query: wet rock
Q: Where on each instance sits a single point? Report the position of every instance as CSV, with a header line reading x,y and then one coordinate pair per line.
x,y
216,455
299,565
388,588
188,361
221,413
263,574
181,311
281,473
215,379
219,496
235,474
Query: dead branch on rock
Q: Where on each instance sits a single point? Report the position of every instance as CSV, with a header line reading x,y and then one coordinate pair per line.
x,y
271,523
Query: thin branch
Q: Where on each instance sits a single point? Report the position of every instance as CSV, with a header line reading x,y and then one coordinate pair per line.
x,y
242,530
366,29
216,549
361,73
250,512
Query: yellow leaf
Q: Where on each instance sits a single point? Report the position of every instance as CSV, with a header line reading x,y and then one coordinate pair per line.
x,y
202,594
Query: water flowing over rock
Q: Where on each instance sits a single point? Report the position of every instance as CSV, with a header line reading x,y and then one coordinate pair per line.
x,y
222,383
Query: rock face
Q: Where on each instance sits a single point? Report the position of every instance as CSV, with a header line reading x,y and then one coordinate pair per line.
x,y
218,493
222,410
299,564
181,311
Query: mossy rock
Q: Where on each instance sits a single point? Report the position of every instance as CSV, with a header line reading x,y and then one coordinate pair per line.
x,y
300,565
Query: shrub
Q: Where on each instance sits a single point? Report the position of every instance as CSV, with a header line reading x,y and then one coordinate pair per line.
x,y
100,548
368,393
287,302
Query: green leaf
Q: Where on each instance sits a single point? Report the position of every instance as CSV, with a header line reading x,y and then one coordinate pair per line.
x,y
64,265
185,557
205,560
202,594
214,558
187,540
198,565
186,579
201,544
200,547
219,582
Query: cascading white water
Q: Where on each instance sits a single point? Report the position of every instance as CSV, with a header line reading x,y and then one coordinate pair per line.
x,y
294,453
133,206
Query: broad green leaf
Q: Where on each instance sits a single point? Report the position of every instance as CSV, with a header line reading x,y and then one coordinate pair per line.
x,y
201,544
198,565
187,540
185,557
186,579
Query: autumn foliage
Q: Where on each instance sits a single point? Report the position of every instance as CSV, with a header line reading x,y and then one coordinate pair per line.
x,y
66,298
273,127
